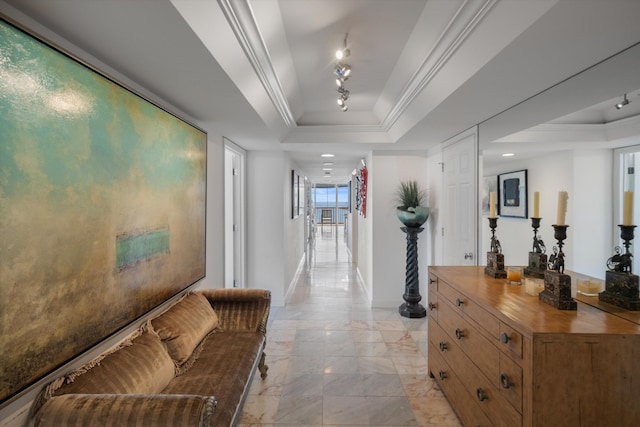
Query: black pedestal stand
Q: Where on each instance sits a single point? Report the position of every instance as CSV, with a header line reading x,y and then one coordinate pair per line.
x,y
495,258
557,285
537,257
412,307
621,285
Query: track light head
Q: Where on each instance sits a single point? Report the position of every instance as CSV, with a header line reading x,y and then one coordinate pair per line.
x,y
622,103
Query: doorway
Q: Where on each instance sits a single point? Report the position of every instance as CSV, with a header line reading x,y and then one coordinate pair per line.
x,y
460,193
331,208
234,217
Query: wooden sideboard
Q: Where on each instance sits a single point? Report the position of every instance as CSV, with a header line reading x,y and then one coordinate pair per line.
x,y
505,359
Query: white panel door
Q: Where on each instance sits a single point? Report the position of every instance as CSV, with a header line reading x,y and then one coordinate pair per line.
x,y
460,237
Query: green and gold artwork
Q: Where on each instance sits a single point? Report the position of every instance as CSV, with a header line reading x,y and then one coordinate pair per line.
x,y
102,208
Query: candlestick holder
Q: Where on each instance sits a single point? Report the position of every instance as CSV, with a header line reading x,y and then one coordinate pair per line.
x,y
557,285
495,258
621,285
537,257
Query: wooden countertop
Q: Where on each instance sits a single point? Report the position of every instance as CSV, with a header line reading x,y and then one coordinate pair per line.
x,y
514,306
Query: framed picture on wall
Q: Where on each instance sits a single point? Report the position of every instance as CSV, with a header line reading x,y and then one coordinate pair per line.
x,y
512,194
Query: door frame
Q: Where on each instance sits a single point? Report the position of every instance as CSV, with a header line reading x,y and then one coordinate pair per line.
x,y
235,194
476,223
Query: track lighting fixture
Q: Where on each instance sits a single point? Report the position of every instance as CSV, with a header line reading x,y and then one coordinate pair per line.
x,y
622,103
342,72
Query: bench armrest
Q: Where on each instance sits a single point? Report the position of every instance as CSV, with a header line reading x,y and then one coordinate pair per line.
x,y
241,309
153,410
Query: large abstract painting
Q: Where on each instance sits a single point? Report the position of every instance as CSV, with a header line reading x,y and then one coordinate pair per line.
x,y
102,208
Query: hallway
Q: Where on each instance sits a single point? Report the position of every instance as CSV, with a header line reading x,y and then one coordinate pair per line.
x,y
333,360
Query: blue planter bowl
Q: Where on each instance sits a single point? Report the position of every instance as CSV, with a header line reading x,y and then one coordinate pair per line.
x,y
414,218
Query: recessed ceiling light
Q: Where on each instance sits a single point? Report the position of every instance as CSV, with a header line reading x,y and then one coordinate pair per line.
x,y
327,169
327,155
508,155
327,164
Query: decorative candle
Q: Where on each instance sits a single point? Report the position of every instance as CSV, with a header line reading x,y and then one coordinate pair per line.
x,y
536,204
563,196
492,204
627,215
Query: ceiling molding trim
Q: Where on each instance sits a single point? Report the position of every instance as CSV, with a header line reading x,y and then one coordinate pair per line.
x,y
431,65
331,134
591,132
242,21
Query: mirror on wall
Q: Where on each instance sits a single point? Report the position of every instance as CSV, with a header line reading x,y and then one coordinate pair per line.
x,y
565,139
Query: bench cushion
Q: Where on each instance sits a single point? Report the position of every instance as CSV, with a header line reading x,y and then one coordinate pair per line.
x,y
223,369
183,326
139,366
126,410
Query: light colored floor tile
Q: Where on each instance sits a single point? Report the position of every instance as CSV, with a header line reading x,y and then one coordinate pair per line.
x,y
297,410
341,365
376,365
335,361
371,349
420,386
303,385
260,409
367,336
350,411
385,411
382,385
343,385
435,410
410,365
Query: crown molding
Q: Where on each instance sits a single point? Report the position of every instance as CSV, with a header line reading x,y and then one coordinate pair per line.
x,y
242,21
590,132
465,20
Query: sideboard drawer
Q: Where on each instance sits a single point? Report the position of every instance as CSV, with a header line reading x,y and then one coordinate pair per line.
x,y
469,413
470,308
511,382
463,334
479,389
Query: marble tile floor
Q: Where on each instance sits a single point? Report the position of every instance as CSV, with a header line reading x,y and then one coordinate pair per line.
x,y
335,361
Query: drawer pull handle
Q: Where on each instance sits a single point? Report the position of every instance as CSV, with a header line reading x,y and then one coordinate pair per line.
x,y
459,333
459,302
432,306
431,280
443,346
505,381
482,396
504,338
443,375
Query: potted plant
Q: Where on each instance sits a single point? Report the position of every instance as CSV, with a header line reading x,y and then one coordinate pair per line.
x,y
410,211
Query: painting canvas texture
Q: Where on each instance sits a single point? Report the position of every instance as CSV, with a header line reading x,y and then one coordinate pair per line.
x,y
102,208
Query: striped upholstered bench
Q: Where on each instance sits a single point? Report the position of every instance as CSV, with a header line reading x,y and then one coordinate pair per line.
x,y
190,366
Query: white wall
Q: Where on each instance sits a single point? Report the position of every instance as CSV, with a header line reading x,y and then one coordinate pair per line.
x,y
275,241
587,176
388,241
